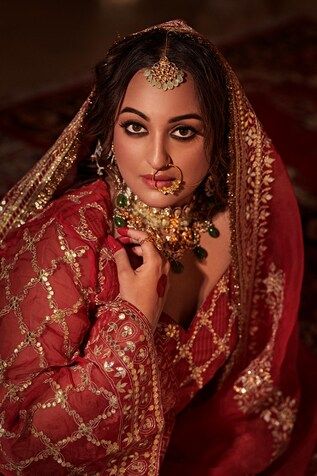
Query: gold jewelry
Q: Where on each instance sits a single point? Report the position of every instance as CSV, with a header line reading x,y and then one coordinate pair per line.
x,y
95,157
172,230
164,74
172,189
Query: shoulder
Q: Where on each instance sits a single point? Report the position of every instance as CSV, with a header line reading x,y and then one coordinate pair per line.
x,y
90,195
83,212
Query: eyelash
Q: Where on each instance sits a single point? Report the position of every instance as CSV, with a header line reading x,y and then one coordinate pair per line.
x,y
126,124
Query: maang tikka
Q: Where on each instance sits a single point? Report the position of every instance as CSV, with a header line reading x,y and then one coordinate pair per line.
x,y
164,74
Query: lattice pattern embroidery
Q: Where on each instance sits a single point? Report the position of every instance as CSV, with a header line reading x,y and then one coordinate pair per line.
x,y
219,344
105,396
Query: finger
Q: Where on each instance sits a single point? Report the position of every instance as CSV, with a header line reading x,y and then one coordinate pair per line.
x,y
123,265
135,235
137,250
120,256
149,251
126,240
113,244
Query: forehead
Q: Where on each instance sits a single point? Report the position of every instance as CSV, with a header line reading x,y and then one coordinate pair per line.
x,y
153,101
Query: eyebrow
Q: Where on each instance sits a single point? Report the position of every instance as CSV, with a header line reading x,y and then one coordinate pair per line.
x,y
173,119
192,115
134,111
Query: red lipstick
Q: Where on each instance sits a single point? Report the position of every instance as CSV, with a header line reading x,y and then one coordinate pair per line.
x,y
161,180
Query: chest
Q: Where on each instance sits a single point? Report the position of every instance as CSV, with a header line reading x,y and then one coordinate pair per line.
x,y
186,293
189,289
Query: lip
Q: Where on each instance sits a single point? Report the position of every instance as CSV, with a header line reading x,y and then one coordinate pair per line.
x,y
161,181
158,177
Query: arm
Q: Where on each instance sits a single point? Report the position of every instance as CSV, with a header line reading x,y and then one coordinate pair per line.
x,y
67,405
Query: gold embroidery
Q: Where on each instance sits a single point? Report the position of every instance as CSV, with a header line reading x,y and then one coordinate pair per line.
x,y
37,187
280,417
221,344
83,228
255,390
249,184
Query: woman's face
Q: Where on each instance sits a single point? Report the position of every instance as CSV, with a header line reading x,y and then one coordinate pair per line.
x,y
153,128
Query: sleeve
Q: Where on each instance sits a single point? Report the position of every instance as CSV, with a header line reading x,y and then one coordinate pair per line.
x,y
79,377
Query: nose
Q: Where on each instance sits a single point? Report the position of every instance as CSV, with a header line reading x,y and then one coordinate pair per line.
x,y
158,156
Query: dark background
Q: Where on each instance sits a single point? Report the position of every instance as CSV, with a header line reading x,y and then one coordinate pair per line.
x,y
49,43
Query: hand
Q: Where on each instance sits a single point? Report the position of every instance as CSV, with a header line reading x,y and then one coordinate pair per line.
x,y
146,286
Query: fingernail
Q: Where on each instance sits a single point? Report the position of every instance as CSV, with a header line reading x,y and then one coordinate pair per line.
x,y
113,244
125,240
123,230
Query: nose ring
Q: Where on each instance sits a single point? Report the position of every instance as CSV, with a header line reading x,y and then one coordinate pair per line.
x,y
176,184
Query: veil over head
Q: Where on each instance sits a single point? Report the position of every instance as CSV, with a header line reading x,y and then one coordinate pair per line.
x,y
249,420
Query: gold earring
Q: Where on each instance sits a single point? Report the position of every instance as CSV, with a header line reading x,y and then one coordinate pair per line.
x,y
209,186
96,156
113,170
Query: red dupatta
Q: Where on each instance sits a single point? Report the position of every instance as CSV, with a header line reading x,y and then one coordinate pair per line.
x,y
253,417
247,423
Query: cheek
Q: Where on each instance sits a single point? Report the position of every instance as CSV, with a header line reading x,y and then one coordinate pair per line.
x,y
197,164
124,150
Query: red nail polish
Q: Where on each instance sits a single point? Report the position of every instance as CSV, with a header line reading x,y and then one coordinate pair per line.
x,y
123,230
113,244
124,239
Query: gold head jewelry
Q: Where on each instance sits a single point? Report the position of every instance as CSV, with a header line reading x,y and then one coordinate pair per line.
x,y
176,184
164,74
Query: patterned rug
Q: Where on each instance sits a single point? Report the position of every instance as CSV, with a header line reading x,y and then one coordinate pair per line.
x,y
278,70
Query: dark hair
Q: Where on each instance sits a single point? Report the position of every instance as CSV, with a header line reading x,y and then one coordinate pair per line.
x,y
190,53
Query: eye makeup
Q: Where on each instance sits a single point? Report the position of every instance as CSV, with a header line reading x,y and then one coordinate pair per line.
x,y
137,130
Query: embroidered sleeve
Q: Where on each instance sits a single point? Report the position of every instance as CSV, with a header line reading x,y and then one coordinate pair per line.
x,y
79,382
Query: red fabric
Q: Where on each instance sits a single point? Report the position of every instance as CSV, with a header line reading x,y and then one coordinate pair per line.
x,y
65,364
83,388
79,375
211,436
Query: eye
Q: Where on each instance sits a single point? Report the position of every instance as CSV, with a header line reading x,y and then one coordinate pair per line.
x,y
184,132
133,128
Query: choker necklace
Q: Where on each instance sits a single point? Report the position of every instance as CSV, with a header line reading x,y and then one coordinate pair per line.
x,y
173,230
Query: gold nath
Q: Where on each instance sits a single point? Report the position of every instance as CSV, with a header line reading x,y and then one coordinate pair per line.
x,y
164,74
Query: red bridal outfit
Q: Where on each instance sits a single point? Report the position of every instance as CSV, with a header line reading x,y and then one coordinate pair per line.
x,y
88,388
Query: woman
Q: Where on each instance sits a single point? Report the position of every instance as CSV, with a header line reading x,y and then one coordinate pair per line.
x,y
149,318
